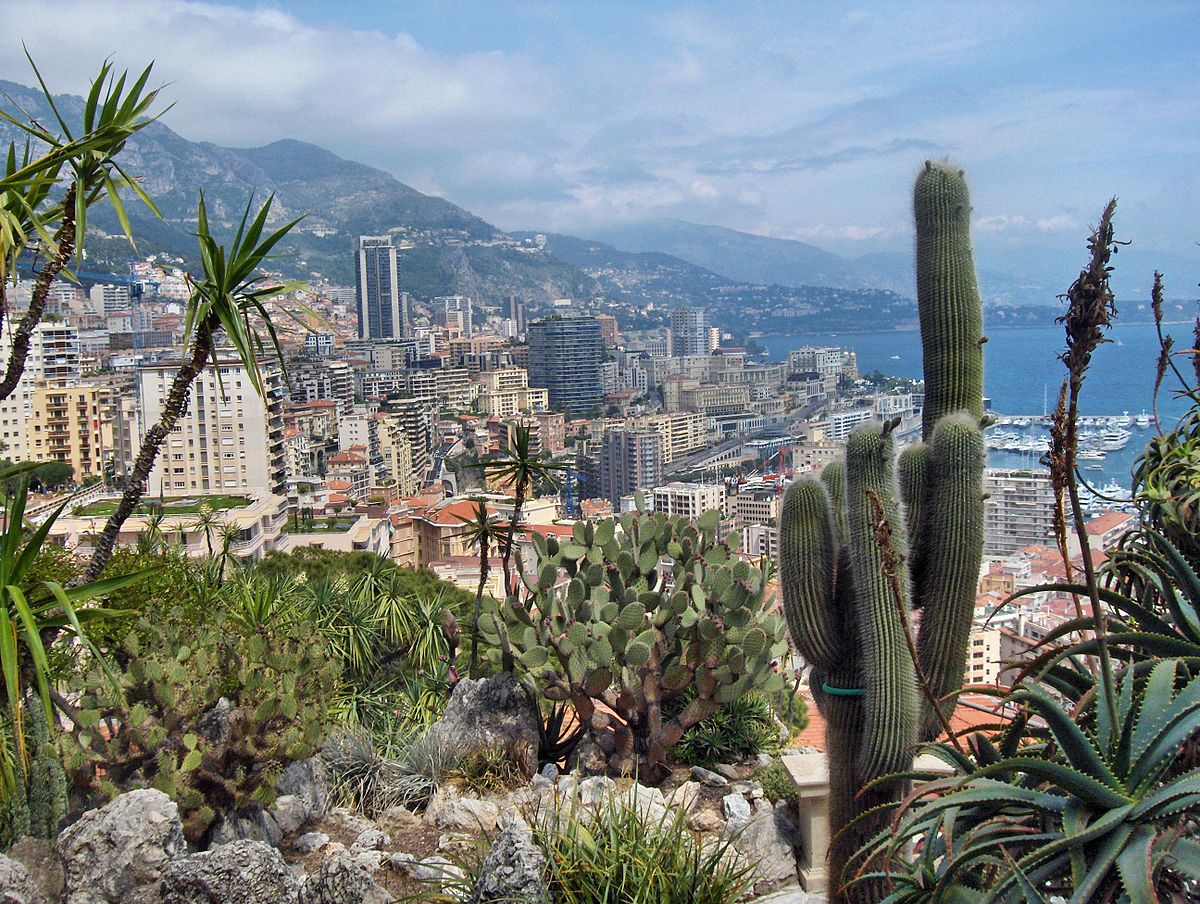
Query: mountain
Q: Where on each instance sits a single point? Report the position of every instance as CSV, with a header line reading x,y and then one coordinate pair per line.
x,y
764,260
455,251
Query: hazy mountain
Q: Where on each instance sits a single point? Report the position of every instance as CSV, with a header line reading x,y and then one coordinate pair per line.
x,y
340,198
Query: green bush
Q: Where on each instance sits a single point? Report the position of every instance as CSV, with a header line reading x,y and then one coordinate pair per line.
x,y
487,770
169,729
371,777
777,784
745,727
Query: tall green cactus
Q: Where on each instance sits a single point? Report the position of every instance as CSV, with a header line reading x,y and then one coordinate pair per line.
x,y
886,535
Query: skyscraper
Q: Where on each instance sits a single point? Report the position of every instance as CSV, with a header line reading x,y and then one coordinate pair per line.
x,y
515,310
689,332
382,308
564,357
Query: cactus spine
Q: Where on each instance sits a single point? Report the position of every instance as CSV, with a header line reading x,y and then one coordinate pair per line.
x,y
847,603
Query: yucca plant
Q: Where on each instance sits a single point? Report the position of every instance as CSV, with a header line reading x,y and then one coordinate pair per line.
x,y
228,298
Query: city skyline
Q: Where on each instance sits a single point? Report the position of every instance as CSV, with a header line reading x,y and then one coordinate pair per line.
x,y
802,122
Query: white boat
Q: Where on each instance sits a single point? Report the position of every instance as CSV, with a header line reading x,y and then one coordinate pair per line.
x,y
1091,455
1094,468
1143,421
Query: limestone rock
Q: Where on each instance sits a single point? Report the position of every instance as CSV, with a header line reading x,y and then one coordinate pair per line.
x,y
342,881
117,854
250,872
370,840
709,778
42,863
648,802
251,824
686,797
767,840
595,791
587,758
16,885
730,772
289,813
491,712
514,869
307,781
462,814
735,807
310,841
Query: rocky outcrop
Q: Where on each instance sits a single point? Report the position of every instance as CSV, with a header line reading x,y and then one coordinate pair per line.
x,y
514,869
342,881
16,885
494,713
249,872
42,863
767,841
118,853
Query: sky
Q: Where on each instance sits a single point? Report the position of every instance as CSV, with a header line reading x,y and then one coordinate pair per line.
x,y
792,119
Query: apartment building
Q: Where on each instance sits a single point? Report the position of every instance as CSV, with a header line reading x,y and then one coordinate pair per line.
x,y
688,500
506,392
228,439
53,360
630,460
65,425
1019,510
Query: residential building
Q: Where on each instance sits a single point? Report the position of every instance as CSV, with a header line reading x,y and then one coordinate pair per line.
x,y
833,364
65,425
564,357
689,500
318,345
610,335
109,299
322,379
983,656
842,423
53,360
690,332
1019,510
228,439
514,308
630,460
506,392
382,308
454,312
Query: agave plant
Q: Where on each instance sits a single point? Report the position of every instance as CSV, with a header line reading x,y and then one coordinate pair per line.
x,y
1094,812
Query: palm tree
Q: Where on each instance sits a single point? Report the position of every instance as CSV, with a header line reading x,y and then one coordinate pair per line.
x,y
224,299
482,533
229,535
206,519
520,469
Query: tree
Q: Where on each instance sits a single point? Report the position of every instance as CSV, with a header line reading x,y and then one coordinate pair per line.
x,y
228,298
53,474
35,219
520,469
482,533
207,519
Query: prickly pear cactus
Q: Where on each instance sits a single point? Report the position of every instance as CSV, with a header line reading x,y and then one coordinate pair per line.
x,y
627,614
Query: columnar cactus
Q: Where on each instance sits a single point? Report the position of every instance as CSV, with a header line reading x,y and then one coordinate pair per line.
x,y
627,615
861,551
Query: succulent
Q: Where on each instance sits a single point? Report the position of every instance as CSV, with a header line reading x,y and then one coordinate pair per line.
x,y
626,615
40,802
884,535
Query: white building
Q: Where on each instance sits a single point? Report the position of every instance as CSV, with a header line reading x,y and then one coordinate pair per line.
x,y
690,500
53,360
228,440
1019,510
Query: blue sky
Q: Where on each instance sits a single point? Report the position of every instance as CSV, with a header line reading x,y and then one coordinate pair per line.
x,y
791,119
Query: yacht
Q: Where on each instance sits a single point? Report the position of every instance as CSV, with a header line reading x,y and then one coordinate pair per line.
x,y
1143,421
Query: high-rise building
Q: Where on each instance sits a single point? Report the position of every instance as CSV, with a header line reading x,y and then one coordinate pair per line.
x,y
322,379
689,332
382,307
454,312
515,311
53,360
689,500
228,440
564,357
66,426
318,345
630,460
1019,510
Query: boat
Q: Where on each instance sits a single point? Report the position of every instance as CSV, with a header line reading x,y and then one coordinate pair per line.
x,y
1094,468
1091,455
1143,421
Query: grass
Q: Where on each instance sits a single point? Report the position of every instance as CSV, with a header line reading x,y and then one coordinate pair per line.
x,y
172,505
321,526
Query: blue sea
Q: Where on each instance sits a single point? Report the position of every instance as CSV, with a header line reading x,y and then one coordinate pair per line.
x,y
1022,375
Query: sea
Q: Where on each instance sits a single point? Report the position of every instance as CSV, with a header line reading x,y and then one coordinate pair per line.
x,y
1023,375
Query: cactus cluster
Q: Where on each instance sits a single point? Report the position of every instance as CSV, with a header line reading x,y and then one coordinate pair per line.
x,y
628,614
40,803
882,536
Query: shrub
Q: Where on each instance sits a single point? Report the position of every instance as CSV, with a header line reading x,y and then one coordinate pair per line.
x,y
487,770
372,778
745,727
206,714
777,784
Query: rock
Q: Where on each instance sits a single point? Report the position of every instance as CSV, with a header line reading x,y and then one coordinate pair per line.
x,y
730,772
514,869
711,779
550,771
493,713
370,840
402,862
541,785
289,813
308,782
735,807
396,820
347,822
768,841
215,724
706,820
249,872
463,814
434,869
595,791
42,863
16,885
310,841
371,861
686,797
751,788
342,881
587,758
648,802
763,760
568,787
251,824
117,854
